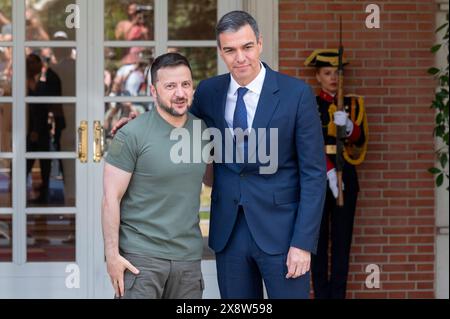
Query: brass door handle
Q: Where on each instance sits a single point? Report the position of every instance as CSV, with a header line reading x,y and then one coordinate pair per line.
x,y
99,142
83,142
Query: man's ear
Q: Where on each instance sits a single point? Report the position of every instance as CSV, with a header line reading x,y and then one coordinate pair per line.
x,y
260,44
153,91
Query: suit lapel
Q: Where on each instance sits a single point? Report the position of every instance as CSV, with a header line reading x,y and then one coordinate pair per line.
x,y
268,103
222,91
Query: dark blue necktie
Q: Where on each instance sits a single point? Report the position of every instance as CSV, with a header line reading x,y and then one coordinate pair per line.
x,y
240,112
240,121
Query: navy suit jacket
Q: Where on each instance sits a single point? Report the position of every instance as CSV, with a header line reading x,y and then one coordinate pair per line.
x,y
282,209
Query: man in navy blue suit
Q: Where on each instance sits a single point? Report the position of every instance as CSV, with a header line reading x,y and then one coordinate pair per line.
x,y
264,226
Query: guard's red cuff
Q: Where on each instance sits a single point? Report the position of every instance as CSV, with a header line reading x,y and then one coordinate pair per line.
x,y
330,164
356,133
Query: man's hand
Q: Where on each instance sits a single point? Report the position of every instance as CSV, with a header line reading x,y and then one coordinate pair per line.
x,y
116,267
122,122
298,262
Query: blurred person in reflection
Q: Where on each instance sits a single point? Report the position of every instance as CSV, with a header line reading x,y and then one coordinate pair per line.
x,y
34,29
134,27
6,27
64,65
39,134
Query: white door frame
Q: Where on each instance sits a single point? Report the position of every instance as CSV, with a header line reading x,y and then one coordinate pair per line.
x,y
20,279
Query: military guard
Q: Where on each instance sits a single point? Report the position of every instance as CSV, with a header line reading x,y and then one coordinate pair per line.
x,y
337,221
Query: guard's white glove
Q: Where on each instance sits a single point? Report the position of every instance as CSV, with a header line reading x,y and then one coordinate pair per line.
x,y
341,119
333,182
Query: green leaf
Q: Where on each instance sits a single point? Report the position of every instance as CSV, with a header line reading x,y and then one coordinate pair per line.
x,y
440,131
435,48
440,180
441,27
443,94
433,71
434,170
443,160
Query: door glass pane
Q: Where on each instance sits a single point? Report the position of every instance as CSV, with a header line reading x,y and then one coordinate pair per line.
x,y
51,71
50,238
127,71
5,183
192,19
5,20
5,128
6,71
129,20
5,238
203,61
50,182
45,20
50,127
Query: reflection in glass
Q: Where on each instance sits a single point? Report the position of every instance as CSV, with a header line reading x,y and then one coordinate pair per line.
x,y
50,127
5,183
50,182
5,20
5,128
184,22
51,71
5,238
129,20
128,71
203,61
43,22
6,70
50,238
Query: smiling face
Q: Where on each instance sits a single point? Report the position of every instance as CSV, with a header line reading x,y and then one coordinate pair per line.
x,y
328,79
241,52
174,90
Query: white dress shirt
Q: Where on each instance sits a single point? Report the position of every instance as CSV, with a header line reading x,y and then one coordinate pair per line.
x,y
251,98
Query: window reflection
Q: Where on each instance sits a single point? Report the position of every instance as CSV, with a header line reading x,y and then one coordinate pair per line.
x,y
50,182
50,238
5,238
6,70
184,22
50,127
51,71
6,33
129,20
43,19
5,128
127,71
5,183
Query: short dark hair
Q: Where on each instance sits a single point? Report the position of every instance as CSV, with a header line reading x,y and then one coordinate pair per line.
x,y
233,21
166,61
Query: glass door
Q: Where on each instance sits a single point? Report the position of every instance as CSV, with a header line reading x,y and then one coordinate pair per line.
x,y
43,206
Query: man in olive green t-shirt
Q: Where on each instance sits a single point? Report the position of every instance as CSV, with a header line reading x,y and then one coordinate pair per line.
x,y
153,243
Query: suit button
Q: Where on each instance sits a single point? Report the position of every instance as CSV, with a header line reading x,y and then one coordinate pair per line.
x,y
242,175
235,201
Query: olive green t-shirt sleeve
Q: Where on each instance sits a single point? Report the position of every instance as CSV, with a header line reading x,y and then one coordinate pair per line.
x,y
122,152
